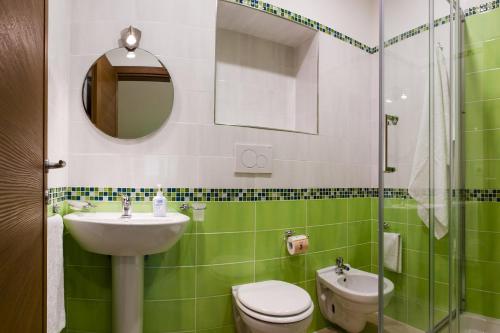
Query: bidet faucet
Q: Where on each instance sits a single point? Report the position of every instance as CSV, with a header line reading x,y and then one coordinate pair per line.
x,y
126,206
340,266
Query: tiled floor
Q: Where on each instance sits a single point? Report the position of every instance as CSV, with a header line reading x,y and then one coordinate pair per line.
x,y
390,326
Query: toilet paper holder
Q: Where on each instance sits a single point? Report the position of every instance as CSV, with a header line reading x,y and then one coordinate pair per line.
x,y
289,233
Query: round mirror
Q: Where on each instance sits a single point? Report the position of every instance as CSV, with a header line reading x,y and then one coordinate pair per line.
x,y
128,94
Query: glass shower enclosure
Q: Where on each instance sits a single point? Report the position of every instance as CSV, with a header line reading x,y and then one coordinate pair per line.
x,y
439,165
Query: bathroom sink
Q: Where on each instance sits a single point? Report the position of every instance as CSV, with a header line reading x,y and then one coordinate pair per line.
x,y
141,234
127,240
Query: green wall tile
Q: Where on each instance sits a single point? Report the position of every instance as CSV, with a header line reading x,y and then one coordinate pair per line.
x,y
399,280
218,280
183,253
482,216
482,174
87,282
441,296
482,144
326,211
418,238
324,259
482,27
418,264
482,115
280,214
359,209
418,290
485,303
228,216
483,275
359,232
482,85
413,217
327,237
270,244
359,255
374,208
482,246
397,309
88,315
290,269
395,210
169,283
224,248
482,56
169,316
213,312
441,268
418,315
75,255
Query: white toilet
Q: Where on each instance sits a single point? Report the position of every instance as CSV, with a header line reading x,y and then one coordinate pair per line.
x,y
271,307
346,297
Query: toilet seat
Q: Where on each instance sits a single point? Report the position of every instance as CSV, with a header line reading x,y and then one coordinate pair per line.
x,y
274,302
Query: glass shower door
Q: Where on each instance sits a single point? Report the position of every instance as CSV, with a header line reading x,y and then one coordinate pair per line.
x,y
416,152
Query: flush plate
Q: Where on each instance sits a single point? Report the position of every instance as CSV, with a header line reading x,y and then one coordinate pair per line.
x,y
253,158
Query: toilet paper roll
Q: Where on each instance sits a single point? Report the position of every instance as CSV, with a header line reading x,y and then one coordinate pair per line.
x,y
297,244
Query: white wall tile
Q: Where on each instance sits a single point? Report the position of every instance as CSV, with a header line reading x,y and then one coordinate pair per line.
x,y
189,150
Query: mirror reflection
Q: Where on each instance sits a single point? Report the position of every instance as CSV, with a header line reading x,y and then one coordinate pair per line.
x,y
128,94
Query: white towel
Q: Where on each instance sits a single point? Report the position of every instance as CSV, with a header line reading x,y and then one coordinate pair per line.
x,y
56,314
393,247
420,178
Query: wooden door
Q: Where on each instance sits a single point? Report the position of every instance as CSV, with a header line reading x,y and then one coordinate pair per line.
x,y
104,86
22,180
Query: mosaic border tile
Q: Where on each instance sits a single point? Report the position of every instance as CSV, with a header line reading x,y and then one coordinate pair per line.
x,y
482,8
291,16
215,194
104,194
297,18
492,195
57,194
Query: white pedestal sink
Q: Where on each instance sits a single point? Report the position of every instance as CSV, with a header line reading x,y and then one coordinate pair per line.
x,y
127,240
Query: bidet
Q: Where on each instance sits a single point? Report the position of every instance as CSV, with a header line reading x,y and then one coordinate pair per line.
x,y
346,298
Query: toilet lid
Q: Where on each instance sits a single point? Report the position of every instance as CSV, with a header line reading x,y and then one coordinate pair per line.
x,y
274,298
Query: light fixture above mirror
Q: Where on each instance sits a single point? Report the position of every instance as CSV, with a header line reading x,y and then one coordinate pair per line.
x,y
130,38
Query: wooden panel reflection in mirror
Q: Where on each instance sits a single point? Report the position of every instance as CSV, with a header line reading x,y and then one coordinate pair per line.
x,y
130,110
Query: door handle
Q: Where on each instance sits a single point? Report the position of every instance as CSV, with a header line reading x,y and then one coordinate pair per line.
x,y
57,165
389,120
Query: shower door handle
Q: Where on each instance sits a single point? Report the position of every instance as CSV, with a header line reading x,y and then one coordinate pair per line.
x,y
389,120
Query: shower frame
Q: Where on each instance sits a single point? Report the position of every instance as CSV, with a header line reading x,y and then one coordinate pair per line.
x,y
456,256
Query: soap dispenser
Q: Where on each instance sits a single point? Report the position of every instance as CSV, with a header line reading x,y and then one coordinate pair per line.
x,y
159,204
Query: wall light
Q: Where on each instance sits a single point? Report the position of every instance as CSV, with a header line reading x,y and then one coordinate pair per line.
x,y
388,100
130,38
404,96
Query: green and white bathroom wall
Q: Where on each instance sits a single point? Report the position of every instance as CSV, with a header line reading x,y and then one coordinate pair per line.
x,y
322,185
188,288
482,162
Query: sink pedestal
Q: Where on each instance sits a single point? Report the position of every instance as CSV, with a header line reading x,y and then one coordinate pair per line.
x,y
128,290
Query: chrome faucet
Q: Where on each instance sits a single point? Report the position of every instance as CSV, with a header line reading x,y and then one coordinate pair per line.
x,y
126,207
340,266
